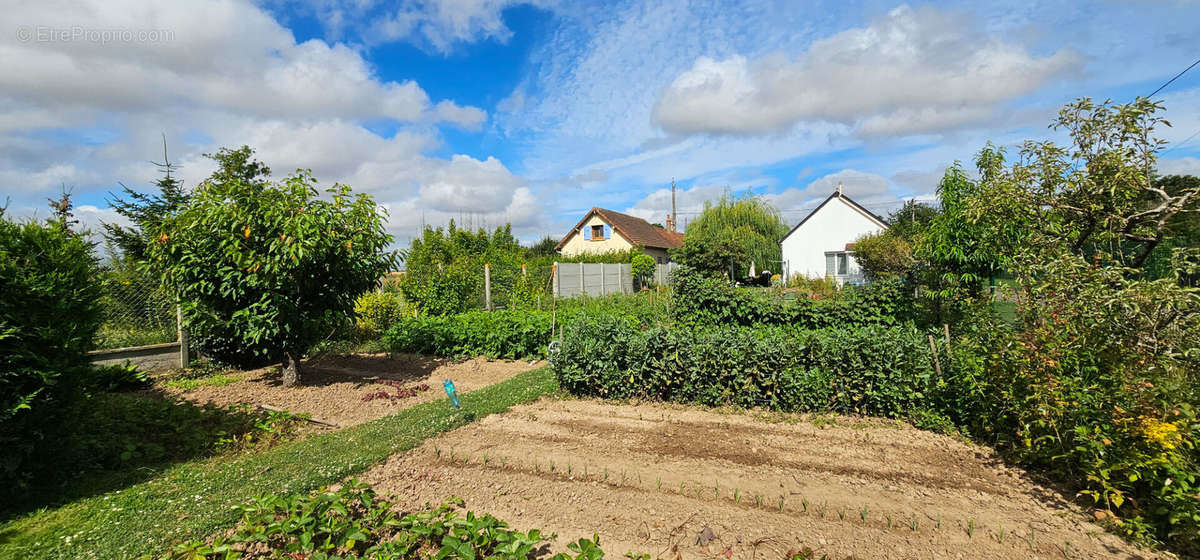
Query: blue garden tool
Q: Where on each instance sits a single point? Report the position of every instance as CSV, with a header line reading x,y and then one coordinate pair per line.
x,y
449,385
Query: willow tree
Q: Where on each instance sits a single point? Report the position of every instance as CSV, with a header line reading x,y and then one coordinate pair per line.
x,y
732,233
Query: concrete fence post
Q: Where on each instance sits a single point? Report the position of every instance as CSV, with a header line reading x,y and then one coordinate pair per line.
x,y
182,336
582,282
603,281
487,287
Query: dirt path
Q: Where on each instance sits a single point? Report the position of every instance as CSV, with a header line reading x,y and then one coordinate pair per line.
x,y
335,386
652,479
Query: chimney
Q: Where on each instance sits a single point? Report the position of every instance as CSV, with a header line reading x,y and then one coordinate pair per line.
x,y
670,223
839,189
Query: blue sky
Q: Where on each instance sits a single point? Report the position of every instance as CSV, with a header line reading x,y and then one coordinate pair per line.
x,y
493,111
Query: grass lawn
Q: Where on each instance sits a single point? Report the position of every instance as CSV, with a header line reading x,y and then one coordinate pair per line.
x,y
195,499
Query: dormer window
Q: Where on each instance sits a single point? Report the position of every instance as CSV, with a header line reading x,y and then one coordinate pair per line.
x,y
597,233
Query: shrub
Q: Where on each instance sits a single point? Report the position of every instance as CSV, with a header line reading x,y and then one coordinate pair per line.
x,y
642,268
1097,385
874,370
265,270
48,320
704,300
444,271
48,311
354,522
376,311
497,334
884,255
644,308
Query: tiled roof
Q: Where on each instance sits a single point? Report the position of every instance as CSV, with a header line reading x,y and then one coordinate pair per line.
x,y
636,230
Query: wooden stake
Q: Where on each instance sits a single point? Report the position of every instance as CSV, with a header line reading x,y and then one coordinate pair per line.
x,y
937,364
949,352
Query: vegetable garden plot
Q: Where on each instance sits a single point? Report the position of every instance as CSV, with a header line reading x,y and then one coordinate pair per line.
x,y
350,390
660,480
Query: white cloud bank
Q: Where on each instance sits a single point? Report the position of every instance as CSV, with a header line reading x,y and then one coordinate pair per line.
x,y
85,114
913,71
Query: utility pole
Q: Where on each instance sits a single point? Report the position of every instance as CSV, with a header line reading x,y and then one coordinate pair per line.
x,y
674,218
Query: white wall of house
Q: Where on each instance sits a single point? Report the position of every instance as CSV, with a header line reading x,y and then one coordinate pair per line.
x,y
579,242
807,249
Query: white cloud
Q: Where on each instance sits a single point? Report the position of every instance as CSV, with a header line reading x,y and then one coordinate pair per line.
x,y
230,75
438,25
912,71
227,56
470,185
1179,166
856,184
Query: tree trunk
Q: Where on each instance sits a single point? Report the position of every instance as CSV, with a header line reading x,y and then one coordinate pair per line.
x,y
291,370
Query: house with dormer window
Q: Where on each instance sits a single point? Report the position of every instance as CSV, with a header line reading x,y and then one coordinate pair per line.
x,y
603,231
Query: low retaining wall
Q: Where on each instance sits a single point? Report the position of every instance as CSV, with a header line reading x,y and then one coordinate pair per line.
x,y
152,357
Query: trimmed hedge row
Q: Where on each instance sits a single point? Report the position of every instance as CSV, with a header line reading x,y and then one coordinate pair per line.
x,y
871,370
704,300
496,334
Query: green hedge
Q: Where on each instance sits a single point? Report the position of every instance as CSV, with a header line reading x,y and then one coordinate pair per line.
x,y
49,313
497,334
520,333
704,300
876,370
49,310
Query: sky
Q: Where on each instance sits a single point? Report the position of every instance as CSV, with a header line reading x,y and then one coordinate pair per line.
x,y
531,113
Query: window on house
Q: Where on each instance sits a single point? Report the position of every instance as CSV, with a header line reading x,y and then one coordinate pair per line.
x,y
837,263
597,232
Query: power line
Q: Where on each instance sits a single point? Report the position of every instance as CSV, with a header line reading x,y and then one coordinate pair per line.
x,y
1160,88
1181,144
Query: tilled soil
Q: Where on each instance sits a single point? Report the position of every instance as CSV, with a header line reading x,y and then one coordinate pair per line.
x,y
334,387
678,482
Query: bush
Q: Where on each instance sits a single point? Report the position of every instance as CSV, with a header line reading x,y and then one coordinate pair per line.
x,y
704,300
884,255
1097,386
497,334
354,522
875,370
48,311
263,271
642,268
376,311
646,308
48,320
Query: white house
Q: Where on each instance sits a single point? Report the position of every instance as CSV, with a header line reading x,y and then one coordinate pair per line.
x,y
822,244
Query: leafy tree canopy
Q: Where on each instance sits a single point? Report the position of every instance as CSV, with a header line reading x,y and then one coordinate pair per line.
x,y
1096,198
270,267
732,233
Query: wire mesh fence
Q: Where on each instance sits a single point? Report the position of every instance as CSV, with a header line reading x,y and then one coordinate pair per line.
x,y
137,312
